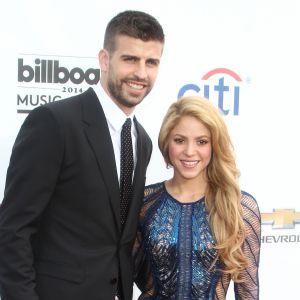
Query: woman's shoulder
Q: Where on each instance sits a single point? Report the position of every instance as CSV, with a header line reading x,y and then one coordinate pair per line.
x,y
249,204
153,189
152,194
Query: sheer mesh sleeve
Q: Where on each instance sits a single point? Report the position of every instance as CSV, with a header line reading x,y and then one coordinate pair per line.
x,y
143,276
249,288
222,287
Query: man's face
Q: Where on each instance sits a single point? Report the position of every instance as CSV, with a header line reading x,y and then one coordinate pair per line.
x,y
128,74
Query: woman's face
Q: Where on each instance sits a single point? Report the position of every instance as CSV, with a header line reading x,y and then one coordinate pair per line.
x,y
190,148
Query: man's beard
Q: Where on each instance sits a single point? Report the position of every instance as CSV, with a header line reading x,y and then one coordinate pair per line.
x,y
115,91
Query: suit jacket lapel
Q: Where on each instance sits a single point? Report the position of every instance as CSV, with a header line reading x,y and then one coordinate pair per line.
x,y
97,132
142,159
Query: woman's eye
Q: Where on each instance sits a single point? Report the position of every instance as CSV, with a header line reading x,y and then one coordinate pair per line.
x,y
202,142
178,141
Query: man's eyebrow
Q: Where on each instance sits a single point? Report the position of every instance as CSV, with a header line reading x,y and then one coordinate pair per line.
x,y
152,59
129,56
156,60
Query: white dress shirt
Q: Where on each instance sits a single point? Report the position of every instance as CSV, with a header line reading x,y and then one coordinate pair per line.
x,y
115,118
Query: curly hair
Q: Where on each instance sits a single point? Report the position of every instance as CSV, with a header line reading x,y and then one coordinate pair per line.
x,y
223,194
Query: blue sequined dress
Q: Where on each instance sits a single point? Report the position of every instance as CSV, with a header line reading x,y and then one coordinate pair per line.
x,y
174,251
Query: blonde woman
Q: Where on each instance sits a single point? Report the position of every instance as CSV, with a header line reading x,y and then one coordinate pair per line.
x,y
197,230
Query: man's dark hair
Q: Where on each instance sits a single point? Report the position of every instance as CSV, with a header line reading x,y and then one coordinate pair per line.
x,y
135,24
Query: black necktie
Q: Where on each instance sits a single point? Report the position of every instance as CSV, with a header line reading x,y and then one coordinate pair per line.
x,y
126,169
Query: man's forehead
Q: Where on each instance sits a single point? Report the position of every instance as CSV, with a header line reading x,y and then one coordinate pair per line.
x,y
137,47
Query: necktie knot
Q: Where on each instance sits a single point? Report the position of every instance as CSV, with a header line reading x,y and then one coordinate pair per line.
x,y
127,125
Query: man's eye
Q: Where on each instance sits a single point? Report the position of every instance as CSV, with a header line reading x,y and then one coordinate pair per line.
x,y
153,63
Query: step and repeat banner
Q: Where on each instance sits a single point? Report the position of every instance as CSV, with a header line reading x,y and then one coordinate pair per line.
x,y
242,55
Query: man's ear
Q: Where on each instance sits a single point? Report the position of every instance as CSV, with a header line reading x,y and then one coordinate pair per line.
x,y
103,57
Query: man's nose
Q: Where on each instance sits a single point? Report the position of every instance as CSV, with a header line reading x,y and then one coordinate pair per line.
x,y
141,70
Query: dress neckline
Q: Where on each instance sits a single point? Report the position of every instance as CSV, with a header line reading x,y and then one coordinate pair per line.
x,y
179,202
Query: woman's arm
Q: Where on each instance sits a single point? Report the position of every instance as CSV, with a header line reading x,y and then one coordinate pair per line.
x,y
249,288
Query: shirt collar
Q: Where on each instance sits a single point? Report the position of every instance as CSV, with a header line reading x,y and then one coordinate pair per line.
x,y
114,115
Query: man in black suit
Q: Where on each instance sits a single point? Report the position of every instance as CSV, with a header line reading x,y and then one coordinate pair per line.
x,y
61,237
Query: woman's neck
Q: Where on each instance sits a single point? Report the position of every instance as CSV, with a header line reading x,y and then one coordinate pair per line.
x,y
186,190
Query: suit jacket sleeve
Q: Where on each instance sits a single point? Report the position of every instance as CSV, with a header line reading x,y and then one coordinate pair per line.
x,y
31,177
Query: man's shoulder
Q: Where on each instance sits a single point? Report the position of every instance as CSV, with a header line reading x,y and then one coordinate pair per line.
x,y
142,132
66,110
72,100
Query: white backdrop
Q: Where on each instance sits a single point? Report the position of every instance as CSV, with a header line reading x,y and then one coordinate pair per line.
x,y
248,47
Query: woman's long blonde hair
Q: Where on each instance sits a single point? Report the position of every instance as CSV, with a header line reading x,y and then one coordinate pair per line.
x,y
223,194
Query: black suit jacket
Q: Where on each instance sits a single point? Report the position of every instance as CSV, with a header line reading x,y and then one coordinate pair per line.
x,y
60,232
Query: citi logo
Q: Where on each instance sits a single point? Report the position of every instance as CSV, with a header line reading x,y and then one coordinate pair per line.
x,y
220,84
50,71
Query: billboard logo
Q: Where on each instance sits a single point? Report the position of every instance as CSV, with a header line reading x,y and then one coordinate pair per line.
x,y
49,71
220,84
281,218
45,79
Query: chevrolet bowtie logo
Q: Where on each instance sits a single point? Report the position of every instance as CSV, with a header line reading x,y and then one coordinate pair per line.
x,y
281,218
